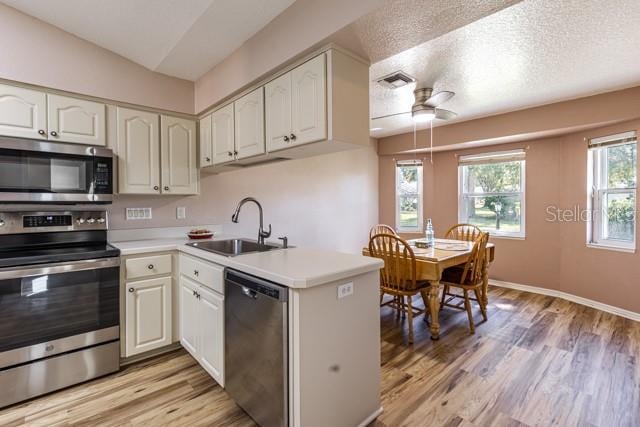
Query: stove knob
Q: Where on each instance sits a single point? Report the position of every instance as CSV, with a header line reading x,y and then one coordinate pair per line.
x,y
90,220
101,220
80,220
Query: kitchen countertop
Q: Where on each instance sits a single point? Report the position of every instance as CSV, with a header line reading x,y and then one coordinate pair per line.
x,y
292,267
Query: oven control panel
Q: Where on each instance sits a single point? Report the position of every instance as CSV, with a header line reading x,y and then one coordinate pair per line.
x,y
39,222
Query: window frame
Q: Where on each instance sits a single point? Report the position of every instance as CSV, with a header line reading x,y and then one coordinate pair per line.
x,y
598,190
420,196
494,157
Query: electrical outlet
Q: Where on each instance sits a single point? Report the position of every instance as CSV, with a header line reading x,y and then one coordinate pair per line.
x,y
181,212
345,290
138,213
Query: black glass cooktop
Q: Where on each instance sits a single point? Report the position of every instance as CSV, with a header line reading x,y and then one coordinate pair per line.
x,y
43,248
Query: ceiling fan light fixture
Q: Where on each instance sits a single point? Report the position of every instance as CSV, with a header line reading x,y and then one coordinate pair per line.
x,y
424,115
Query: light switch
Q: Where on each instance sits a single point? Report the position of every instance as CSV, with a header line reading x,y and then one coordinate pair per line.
x,y
138,213
345,290
181,212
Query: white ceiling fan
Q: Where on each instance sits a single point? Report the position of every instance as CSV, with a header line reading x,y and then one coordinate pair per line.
x,y
426,106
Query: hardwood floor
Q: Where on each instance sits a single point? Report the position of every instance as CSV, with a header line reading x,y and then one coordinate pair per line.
x,y
538,361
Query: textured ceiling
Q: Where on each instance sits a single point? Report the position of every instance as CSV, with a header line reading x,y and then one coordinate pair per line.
x,y
532,53
179,38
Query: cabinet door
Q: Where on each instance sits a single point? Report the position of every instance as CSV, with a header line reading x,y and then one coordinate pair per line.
x,y
309,101
76,120
179,170
222,135
211,320
278,112
206,149
148,315
249,124
23,112
189,316
138,148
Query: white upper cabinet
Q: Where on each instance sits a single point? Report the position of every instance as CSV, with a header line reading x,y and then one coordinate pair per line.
x,y
278,112
222,135
309,101
76,120
179,170
206,148
138,148
22,112
249,124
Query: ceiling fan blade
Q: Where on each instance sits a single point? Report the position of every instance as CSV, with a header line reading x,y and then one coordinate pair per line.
x,y
390,115
444,114
439,98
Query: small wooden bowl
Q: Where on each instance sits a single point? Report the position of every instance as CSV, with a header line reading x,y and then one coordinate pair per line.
x,y
200,236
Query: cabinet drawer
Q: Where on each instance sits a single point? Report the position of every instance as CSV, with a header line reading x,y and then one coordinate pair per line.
x,y
148,266
206,274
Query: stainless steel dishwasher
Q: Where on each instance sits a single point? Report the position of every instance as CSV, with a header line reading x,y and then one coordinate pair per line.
x,y
256,347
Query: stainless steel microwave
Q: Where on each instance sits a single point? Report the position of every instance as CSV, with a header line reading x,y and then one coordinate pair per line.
x,y
33,171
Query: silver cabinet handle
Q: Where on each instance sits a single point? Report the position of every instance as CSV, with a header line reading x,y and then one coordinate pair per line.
x,y
207,159
286,138
155,187
166,188
293,137
54,133
131,289
150,266
230,153
196,272
41,132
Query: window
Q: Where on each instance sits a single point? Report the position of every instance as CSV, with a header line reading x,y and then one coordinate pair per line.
x,y
612,188
409,195
491,192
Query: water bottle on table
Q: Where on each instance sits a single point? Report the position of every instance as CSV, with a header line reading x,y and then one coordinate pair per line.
x,y
429,234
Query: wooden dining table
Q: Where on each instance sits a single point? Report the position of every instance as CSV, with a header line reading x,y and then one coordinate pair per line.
x,y
431,262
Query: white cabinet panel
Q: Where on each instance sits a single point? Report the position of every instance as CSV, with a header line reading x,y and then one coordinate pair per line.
x,y
148,315
76,120
278,112
249,124
189,328
211,319
308,101
138,149
222,134
206,149
155,265
23,112
178,155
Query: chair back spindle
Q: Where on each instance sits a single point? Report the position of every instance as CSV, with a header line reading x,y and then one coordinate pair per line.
x,y
466,232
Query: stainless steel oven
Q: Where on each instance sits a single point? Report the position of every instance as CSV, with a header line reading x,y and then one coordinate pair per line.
x,y
59,302
33,171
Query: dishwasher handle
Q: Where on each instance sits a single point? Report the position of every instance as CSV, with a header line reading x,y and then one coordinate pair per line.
x,y
255,287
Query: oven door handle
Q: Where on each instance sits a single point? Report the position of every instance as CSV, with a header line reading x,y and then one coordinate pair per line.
x,y
57,268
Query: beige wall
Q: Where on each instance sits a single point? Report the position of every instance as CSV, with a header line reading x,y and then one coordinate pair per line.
x,y
327,201
553,255
304,24
35,52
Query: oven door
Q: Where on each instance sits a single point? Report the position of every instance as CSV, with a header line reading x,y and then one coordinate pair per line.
x,y
37,171
55,308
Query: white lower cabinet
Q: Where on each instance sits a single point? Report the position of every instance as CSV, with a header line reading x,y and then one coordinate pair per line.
x,y
148,315
202,314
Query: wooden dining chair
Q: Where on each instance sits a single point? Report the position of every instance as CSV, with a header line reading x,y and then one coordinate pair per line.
x,y
381,229
468,278
398,276
466,232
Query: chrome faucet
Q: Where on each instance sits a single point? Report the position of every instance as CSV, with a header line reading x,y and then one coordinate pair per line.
x,y
261,232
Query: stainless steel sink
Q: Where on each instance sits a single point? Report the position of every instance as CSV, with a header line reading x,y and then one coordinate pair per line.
x,y
233,247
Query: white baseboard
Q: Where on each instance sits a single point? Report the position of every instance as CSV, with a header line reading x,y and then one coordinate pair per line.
x,y
569,297
370,418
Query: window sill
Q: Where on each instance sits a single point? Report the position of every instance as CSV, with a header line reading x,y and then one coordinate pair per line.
x,y
505,236
611,248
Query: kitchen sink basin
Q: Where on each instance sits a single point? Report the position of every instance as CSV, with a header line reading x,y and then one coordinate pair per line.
x,y
233,247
